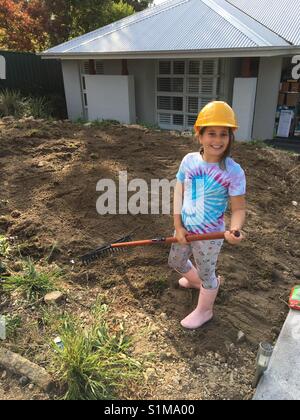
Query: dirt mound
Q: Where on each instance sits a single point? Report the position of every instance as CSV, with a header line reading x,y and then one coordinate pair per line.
x,y
49,174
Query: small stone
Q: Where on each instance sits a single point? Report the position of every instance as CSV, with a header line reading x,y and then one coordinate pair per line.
x,y
23,381
31,387
163,316
150,373
241,337
177,380
295,203
4,375
53,297
297,274
275,330
154,329
6,387
94,156
15,214
276,276
165,356
88,124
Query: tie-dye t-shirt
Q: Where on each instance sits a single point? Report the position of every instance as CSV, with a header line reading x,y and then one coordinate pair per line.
x,y
206,191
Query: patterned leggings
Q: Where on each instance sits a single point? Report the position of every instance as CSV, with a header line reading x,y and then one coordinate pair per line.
x,y
205,254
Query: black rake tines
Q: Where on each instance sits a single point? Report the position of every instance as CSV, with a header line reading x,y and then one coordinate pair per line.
x,y
104,251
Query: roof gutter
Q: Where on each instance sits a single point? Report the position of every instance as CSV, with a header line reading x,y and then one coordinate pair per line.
x,y
215,53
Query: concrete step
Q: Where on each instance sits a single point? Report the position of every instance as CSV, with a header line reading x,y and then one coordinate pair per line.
x,y
282,379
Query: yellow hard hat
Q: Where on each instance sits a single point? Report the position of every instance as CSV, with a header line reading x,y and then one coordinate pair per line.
x,y
216,113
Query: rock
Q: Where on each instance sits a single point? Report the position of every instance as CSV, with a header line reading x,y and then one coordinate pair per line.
x,y
276,276
297,274
150,373
6,387
53,297
4,375
295,203
165,356
23,381
31,387
88,124
15,214
154,329
241,337
163,316
24,368
94,156
275,330
177,380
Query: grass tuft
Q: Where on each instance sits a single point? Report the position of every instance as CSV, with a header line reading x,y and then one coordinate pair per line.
x,y
32,283
94,362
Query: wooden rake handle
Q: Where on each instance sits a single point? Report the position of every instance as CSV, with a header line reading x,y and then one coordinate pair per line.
x,y
172,239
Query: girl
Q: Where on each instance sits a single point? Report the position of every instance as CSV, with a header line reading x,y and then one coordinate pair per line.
x,y
205,180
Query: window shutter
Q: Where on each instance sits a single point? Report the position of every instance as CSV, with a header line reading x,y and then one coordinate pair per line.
x,y
86,67
183,88
99,67
193,85
164,119
165,67
207,86
178,67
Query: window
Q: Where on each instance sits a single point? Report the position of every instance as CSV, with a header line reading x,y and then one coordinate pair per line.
x,y
98,65
183,87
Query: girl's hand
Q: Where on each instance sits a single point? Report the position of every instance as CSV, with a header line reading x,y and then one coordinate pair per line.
x,y
180,235
231,238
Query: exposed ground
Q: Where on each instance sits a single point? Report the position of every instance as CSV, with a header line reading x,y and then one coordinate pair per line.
x,y
49,172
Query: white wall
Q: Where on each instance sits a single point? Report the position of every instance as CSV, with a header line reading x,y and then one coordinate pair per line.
x,y
71,76
267,97
244,93
144,76
111,97
144,80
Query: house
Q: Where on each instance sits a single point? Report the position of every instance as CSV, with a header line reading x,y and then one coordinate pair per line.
x,y
162,65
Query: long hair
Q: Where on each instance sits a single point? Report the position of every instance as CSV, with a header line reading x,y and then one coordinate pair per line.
x,y
227,152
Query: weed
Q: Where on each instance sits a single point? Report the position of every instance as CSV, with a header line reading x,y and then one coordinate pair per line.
x,y
38,107
94,362
4,246
33,284
149,125
104,123
11,103
13,323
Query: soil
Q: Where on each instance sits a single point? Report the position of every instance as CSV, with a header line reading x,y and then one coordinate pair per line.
x,y
49,172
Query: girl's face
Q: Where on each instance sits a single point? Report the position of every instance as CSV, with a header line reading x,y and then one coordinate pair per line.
x,y
215,141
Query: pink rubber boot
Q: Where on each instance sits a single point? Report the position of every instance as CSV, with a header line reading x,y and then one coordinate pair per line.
x,y
204,311
191,279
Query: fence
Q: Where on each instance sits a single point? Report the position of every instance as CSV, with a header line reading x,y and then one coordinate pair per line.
x,y
30,74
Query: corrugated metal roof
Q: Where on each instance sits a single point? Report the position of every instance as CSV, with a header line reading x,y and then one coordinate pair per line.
x,y
176,25
280,16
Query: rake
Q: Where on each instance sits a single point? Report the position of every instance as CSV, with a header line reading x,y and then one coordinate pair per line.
x,y
126,242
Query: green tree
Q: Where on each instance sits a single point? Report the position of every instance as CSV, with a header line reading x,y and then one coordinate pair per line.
x,y
139,5
35,25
